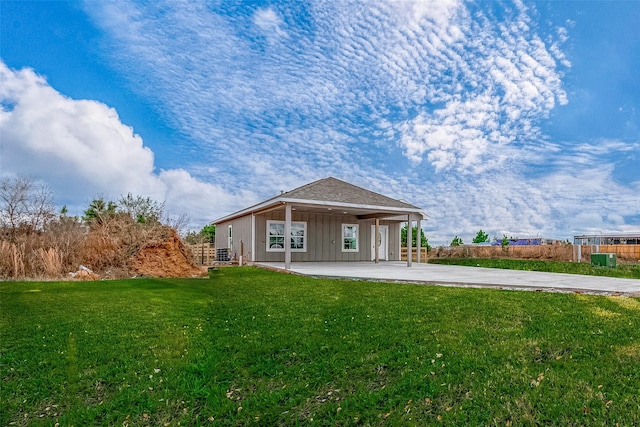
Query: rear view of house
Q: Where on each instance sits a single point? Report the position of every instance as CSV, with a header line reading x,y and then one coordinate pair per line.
x,y
326,220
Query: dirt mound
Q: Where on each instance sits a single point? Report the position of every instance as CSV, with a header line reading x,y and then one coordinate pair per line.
x,y
84,273
165,258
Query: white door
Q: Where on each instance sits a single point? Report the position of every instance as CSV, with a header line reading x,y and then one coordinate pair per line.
x,y
382,240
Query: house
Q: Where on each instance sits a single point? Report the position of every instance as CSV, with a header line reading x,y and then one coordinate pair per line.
x,y
326,220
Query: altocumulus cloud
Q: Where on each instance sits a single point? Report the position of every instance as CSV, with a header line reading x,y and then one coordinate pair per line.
x,y
82,150
496,81
440,103
442,83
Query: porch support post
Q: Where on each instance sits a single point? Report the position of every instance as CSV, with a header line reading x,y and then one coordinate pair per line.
x,y
375,241
287,236
409,240
253,237
418,238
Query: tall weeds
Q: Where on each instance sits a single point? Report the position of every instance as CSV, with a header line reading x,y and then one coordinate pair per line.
x,y
11,260
50,261
107,248
559,252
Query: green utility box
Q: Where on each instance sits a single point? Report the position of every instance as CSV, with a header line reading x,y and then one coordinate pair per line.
x,y
605,260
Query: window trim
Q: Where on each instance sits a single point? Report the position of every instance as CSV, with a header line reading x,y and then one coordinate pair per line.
x,y
304,236
357,238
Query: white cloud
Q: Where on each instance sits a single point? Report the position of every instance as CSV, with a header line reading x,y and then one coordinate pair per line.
x,y
270,23
555,205
82,150
453,88
436,102
492,84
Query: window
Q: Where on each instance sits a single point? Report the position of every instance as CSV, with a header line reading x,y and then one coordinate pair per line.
x,y
276,237
349,237
230,238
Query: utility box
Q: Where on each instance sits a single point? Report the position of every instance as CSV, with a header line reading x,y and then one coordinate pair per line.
x,y
605,260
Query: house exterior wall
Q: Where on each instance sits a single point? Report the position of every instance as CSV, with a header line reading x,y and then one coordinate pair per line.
x,y
324,238
241,232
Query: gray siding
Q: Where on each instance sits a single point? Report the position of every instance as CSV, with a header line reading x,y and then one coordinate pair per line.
x,y
241,232
324,238
394,241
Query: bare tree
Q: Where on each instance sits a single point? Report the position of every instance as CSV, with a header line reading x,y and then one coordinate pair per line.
x,y
13,196
40,209
178,222
24,205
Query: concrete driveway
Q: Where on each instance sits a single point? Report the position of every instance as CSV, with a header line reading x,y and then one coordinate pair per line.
x,y
463,276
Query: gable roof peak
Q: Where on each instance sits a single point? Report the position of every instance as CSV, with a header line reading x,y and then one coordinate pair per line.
x,y
335,190
331,191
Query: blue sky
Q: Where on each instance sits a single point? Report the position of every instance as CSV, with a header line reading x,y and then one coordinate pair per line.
x,y
518,118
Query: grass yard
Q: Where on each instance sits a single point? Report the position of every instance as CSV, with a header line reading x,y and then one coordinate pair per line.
x,y
627,271
253,347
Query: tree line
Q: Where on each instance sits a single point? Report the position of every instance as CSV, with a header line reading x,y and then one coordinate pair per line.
x,y
481,237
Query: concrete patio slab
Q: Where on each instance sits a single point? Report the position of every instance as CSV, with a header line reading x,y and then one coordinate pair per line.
x,y
446,275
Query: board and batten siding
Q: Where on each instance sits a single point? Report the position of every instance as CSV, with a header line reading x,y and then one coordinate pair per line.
x,y
324,237
241,231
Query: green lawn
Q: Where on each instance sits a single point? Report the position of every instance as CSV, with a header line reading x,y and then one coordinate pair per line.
x,y
253,347
628,271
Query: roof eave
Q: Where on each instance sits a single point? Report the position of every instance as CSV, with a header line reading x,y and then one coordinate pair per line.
x,y
266,205
328,203
274,203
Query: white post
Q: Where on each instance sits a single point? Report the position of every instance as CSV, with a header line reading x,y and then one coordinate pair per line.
x,y
418,238
376,240
287,236
409,240
253,237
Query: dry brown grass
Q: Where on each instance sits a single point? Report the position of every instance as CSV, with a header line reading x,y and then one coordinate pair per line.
x,y
66,236
50,261
108,249
560,252
101,250
11,259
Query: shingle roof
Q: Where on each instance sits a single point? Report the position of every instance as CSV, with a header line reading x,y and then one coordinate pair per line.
x,y
327,192
333,190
